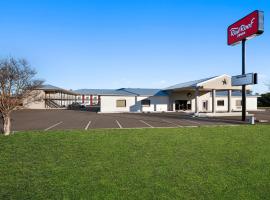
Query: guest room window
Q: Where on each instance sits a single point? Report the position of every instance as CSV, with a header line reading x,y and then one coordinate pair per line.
x,y
146,102
120,103
238,103
220,103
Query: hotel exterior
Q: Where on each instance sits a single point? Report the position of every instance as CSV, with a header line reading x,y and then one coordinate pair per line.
x,y
210,95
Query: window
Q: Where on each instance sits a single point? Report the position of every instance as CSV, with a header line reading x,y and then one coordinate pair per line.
x,y
146,102
205,105
120,103
238,103
220,103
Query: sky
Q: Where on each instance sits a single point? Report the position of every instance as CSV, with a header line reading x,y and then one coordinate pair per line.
x,y
131,43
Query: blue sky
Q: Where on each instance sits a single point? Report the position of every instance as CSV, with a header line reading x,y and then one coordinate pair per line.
x,y
131,43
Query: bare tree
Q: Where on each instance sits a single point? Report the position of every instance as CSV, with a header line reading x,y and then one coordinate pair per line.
x,y
17,83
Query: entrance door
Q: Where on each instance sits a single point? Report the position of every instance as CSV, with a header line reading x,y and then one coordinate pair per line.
x,y
181,105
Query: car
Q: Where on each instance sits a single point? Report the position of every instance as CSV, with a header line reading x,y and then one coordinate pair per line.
x,y
76,106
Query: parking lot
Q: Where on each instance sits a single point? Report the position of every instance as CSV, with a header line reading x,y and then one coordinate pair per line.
x,y
68,120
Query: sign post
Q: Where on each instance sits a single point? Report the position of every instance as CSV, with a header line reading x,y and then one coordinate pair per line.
x,y
244,104
246,28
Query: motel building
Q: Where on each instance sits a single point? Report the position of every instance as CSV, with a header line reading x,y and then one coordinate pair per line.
x,y
209,96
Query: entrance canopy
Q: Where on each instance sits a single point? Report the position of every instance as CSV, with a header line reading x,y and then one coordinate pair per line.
x,y
222,82
213,84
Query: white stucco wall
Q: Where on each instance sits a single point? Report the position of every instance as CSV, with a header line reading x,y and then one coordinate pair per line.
x,y
108,103
251,103
133,104
158,103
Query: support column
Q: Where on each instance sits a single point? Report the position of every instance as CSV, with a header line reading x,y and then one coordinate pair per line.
x,y
83,98
229,100
61,98
99,100
196,101
91,100
213,101
137,106
45,99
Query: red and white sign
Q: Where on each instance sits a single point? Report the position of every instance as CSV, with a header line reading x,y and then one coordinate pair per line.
x,y
246,28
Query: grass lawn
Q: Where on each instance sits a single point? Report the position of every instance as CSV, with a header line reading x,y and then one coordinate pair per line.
x,y
183,163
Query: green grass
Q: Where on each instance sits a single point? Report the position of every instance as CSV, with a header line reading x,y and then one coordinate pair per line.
x,y
184,163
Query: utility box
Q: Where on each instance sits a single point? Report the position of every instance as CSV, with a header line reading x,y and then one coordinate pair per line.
x,y
251,120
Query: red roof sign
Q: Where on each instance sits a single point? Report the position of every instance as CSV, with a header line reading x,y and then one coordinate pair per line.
x,y
246,28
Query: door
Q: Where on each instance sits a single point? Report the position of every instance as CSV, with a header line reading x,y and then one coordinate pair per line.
x,y
181,105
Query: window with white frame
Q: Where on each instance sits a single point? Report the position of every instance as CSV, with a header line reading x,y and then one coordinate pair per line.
x,y
238,103
121,103
220,103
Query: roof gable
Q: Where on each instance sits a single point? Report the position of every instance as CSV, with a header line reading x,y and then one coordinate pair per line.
x,y
222,82
189,84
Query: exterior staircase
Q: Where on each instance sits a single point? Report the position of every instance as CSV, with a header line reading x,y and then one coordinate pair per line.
x,y
52,104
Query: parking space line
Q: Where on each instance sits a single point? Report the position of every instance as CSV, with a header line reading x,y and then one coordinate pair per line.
x,y
120,126
146,123
87,125
53,126
172,123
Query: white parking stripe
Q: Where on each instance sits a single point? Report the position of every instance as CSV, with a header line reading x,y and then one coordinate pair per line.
x,y
120,126
146,123
87,125
172,123
53,126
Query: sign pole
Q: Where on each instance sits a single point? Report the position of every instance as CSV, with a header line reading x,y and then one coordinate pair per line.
x,y
243,86
244,29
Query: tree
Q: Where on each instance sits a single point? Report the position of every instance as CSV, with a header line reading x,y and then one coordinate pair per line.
x,y
17,83
264,100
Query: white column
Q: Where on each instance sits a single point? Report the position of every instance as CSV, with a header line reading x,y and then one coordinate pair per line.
x,y
213,101
196,100
229,100
137,105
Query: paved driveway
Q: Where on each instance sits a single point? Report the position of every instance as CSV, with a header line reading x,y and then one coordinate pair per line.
x,y
68,119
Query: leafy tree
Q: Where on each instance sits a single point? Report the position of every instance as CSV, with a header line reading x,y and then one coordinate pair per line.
x,y
264,100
